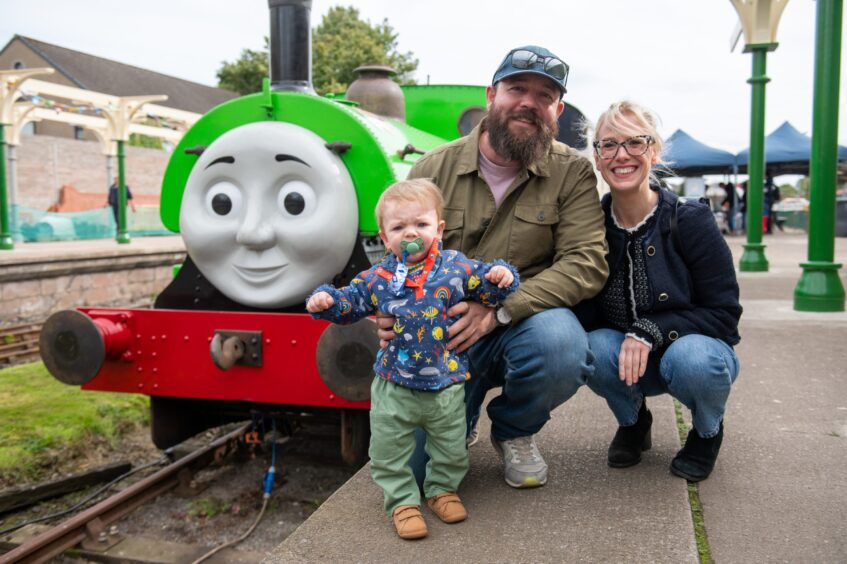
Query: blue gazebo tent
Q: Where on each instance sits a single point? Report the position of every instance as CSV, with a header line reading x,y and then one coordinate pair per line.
x,y
787,151
688,157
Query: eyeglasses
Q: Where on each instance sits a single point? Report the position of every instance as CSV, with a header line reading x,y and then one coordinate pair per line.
x,y
634,146
524,59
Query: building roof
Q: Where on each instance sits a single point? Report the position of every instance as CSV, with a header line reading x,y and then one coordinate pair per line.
x,y
111,77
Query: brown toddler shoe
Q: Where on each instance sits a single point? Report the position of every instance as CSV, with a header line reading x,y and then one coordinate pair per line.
x,y
409,522
448,507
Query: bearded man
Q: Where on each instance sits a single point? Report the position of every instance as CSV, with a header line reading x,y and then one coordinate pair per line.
x,y
512,192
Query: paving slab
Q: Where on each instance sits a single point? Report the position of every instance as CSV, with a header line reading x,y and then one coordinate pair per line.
x,y
779,492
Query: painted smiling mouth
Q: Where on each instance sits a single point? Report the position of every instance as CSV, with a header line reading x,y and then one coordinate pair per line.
x,y
257,275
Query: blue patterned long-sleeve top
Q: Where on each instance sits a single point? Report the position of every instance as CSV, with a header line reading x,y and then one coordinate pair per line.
x,y
417,357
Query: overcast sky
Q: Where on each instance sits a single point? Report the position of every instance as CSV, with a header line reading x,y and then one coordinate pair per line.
x,y
671,55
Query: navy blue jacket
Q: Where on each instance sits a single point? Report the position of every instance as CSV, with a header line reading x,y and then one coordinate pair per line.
x,y
694,291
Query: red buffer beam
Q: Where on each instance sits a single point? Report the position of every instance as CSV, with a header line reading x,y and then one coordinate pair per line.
x,y
239,356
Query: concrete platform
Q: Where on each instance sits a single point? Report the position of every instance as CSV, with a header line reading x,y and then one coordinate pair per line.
x,y
777,494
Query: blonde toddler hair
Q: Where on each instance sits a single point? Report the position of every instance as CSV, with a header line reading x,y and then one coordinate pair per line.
x,y
419,190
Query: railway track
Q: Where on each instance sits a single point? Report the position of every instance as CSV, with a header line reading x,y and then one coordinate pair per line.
x,y
19,343
91,529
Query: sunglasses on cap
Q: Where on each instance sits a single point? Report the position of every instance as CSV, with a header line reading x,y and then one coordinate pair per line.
x,y
523,59
536,60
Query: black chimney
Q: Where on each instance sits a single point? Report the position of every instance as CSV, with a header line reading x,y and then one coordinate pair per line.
x,y
291,45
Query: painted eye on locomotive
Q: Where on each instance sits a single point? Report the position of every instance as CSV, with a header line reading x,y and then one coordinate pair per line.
x,y
268,214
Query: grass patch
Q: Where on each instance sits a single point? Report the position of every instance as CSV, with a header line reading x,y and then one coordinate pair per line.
x,y
703,549
208,507
42,419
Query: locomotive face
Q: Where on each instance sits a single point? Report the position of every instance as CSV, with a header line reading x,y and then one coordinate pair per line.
x,y
268,214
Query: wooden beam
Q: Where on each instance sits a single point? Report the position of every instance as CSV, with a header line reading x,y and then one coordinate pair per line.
x,y
24,496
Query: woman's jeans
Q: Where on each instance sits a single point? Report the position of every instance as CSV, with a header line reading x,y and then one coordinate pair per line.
x,y
540,362
695,369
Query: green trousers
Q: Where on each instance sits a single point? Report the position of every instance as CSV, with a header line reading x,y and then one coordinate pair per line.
x,y
395,413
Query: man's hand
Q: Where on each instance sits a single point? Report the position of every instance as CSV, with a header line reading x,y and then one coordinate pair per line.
x,y
632,360
500,275
476,321
384,328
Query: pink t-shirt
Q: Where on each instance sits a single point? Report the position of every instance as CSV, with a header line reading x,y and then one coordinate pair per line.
x,y
498,178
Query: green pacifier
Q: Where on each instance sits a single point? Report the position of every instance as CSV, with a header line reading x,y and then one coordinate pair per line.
x,y
412,247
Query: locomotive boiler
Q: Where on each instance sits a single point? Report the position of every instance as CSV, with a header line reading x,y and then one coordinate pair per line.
x,y
273,194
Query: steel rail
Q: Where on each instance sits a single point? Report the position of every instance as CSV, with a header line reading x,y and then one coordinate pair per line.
x,y
91,522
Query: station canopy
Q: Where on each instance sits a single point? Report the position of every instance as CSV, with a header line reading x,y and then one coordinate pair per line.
x,y
787,151
688,157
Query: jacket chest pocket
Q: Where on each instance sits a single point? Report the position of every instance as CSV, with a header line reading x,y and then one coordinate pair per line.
x,y
454,221
532,240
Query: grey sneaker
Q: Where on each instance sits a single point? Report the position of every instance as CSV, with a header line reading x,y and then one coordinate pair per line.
x,y
473,436
522,463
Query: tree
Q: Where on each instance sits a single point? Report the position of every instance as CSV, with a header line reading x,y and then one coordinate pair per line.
x,y
138,140
245,74
804,187
342,42
787,191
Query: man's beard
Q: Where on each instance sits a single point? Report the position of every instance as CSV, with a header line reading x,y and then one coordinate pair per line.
x,y
524,149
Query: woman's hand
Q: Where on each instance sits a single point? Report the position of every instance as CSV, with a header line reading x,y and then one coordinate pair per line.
x,y
476,321
632,360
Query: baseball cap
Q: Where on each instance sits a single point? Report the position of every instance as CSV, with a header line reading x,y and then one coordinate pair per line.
x,y
535,60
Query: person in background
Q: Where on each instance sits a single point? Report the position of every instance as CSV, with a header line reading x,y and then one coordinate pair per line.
x,y
114,199
772,196
512,192
729,205
668,315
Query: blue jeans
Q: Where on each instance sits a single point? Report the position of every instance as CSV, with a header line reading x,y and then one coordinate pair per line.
x,y
540,362
695,369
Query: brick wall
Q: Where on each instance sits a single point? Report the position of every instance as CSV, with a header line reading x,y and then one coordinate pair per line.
x,y
45,164
34,300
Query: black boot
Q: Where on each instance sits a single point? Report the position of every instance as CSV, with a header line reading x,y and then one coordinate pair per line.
x,y
628,443
697,458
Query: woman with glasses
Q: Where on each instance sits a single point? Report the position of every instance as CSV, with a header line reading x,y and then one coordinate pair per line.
x,y
668,315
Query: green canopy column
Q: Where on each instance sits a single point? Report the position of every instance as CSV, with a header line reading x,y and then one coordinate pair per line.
x,y
123,235
120,116
753,259
759,20
6,242
820,287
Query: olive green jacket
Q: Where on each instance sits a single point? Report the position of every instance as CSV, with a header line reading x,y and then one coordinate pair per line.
x,y
549,225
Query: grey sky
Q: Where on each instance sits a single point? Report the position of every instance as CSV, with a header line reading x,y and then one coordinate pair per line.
x,y
671,55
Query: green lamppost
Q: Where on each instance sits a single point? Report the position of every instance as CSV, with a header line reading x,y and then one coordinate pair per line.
x,y
759,20
820,288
